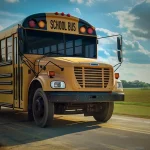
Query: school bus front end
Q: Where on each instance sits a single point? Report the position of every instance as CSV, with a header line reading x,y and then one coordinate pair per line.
x,y
55,70
84,86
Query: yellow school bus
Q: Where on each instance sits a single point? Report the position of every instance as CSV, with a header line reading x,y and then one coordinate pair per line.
x,y
48,65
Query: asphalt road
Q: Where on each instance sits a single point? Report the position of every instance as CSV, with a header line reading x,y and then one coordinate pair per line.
x,y
73,132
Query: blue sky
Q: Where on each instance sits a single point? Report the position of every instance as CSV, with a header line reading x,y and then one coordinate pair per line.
x,y
129,18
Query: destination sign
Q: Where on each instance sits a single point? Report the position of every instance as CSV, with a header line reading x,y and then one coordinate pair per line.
x,y
63,25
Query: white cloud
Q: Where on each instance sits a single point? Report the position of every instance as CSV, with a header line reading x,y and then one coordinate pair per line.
x,y
106,41
126,20
8,18
12,1
9,14
1,28
87,2
77,10
131,72
147,1
134,21
108,32
90,2
77,1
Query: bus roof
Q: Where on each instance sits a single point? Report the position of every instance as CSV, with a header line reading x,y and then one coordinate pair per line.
x,y
13,28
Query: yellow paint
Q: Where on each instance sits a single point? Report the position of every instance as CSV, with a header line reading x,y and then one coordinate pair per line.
x,y
67,25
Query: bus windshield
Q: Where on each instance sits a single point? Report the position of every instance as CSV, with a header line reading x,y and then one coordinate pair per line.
x,y
39,42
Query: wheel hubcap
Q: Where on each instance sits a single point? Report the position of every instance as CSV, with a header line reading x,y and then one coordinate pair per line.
x,y
39,107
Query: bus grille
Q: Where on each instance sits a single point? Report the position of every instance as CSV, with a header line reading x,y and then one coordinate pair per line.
x,y
92,77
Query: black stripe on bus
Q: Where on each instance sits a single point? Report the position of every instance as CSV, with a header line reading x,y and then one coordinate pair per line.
x,y
6,105
5,63
6,75
5,82
6,91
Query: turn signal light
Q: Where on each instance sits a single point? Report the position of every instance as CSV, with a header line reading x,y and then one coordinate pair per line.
x,y
82,29
51,74
117,75
41,24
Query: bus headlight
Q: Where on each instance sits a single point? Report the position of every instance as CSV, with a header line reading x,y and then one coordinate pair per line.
x,y
58,84
119,85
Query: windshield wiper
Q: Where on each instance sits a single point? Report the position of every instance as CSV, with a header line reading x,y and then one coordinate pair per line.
x,y
47,54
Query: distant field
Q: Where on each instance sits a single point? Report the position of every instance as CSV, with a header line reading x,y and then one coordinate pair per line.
x,y
137,103
137,95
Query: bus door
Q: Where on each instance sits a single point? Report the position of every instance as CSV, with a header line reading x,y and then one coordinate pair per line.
x,y
6,72
17,75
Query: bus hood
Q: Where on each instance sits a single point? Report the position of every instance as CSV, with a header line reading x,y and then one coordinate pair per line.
x,y
73,61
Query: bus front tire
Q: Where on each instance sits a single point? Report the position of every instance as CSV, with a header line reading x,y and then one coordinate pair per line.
x,y
43,109
105,113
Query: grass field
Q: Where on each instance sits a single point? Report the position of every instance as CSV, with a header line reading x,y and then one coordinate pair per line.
x,y
137,103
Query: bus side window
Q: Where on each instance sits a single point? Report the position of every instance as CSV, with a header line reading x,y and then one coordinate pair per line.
x,y
9,48
3,52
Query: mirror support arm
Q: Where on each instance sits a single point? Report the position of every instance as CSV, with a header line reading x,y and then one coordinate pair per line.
x,y
110,36
118,66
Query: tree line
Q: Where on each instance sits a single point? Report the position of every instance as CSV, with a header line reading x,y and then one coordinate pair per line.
x,y
135,84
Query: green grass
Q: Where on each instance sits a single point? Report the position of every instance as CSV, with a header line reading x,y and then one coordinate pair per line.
x,y
133,110
137,103
137,95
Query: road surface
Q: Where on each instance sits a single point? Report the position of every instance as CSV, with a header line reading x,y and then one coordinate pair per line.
x,y
73,132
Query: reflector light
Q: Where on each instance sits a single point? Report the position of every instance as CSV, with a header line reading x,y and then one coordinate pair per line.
x,y
90,31
41,24
51,74
116,75
56,13
68,15
32,23
62,14
82,29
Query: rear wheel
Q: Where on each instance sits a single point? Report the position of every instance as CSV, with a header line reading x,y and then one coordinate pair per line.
x,y
43,109
105,113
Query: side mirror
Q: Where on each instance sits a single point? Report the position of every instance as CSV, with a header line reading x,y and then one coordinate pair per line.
x,y
119,43
120,58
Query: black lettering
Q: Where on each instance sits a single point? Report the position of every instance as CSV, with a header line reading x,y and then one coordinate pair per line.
x,y
52,24
71,26
74,27
57,25
68,26
63,25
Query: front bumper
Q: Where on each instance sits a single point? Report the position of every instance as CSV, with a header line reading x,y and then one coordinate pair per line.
x,y
84,97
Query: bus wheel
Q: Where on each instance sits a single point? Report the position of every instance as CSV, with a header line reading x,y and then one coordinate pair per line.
x,y
105,113
43,109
